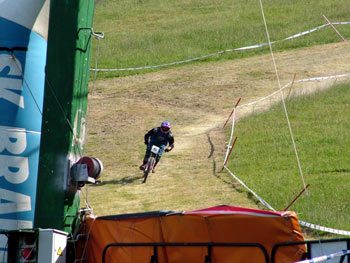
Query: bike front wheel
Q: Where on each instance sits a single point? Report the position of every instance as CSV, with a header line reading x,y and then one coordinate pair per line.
x,y
149,166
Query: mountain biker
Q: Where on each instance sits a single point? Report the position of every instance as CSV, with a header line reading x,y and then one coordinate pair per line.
x,y
160,136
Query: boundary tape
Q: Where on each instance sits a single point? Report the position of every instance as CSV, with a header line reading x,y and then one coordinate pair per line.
x,y
250,190
303,223
296,81
326,257
221,52
325,229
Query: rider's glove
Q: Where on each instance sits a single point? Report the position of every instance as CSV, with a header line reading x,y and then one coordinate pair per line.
x,y
146,142
167,150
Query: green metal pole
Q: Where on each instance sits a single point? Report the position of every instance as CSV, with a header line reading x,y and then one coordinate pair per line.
x,y
64,112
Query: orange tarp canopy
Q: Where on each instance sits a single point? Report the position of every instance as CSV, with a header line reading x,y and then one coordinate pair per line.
x,y
221,224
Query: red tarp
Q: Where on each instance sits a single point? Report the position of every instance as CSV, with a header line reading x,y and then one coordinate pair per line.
x,y
220,224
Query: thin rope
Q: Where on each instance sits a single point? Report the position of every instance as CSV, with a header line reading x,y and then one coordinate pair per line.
x,y
283,101
92,91
52,91
76,145
24,80
95,75
98,35
286,114
85,245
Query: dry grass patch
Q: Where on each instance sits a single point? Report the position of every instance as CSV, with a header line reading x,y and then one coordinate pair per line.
x,y
196,99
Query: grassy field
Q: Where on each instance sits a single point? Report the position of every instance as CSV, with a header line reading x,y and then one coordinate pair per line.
x,y
197,98
151,32
265,158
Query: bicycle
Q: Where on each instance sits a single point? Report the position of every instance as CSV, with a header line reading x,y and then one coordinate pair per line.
x,y
150,162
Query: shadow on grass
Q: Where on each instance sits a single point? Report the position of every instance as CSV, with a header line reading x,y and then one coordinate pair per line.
x,y
212,149
224,178
123,181
336,171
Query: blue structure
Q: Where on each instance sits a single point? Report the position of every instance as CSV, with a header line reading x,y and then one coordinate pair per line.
x,y
23,47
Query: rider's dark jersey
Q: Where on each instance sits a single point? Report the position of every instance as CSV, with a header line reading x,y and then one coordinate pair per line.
x,y
157,137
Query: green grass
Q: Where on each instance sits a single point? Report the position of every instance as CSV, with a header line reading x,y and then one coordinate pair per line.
x,y
265,160
151,32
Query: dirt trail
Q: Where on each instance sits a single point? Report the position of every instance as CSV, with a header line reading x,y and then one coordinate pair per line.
x,y
197,100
